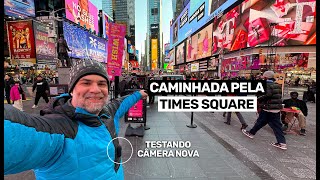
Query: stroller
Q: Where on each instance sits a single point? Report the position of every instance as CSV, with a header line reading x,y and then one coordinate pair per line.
x,y
309,95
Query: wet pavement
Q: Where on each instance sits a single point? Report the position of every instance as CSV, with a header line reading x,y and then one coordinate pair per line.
x,y
224,152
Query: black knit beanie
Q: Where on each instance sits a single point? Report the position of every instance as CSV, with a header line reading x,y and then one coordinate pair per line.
x,y
86,67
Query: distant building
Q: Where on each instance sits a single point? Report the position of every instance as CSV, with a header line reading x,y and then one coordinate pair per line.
x,y
121,13
107,7
131,22
153,34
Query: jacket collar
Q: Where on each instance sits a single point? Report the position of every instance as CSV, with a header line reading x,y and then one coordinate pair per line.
x,y
62,105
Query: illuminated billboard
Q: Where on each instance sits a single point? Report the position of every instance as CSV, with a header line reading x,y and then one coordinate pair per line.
x,y
82,12
154,54
19,8
180,51
193,17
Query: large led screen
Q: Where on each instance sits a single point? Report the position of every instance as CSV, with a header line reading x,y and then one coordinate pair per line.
x,y
193,17
45,46
17,8
88,46
259,23
83,12
172,59
21,41
288,22
180,50
204,42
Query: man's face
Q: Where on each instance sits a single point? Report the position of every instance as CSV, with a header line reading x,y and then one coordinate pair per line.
x,y
90,93
294,96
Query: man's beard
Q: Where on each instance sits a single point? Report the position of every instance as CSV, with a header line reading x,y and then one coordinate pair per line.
x,y
92,107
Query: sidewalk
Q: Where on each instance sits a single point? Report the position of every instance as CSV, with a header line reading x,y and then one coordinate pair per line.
x,y
225,153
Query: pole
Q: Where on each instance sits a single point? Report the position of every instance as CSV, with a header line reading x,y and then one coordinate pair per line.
x,y
191,125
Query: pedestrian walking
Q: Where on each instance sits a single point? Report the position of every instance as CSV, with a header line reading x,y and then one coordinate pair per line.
x,y
42,87
75,136
271,105
242,121
8,83
16,95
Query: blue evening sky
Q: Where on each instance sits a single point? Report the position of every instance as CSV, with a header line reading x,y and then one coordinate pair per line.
x,y
141,22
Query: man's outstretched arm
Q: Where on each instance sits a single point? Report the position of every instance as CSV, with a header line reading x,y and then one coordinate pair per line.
x,y
28,143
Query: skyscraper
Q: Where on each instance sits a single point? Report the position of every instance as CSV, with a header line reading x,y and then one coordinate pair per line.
x,y
153,33
131,22
121,12
107,7
177,7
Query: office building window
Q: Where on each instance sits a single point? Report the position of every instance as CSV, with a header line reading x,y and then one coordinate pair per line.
x,y
154,11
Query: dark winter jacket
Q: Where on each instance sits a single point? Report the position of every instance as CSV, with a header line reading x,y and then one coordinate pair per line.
x,y
65,142
62,46
8,84
272,98
41,86
296,103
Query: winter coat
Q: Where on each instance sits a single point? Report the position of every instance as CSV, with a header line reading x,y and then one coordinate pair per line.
x,y
296,103
272,99
41,86
65,142
8,84
15,93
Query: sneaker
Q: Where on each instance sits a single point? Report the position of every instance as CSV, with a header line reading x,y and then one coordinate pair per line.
x,y
247,133
280,145
244,126
302,132
227,123
34,106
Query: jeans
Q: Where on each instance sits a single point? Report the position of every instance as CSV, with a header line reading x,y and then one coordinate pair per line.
x,y
242,121
273,119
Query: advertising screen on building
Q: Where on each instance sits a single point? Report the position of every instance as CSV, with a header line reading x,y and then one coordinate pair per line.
x,y
213,63
204,42
172,59
21,42
166,53
88,46
195,67
295,26
154,54
180,51
106,21
192,48
45,46
19,8
83,12
294,22
193,17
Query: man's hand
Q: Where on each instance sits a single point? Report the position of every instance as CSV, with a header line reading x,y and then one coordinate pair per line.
x,y
143,94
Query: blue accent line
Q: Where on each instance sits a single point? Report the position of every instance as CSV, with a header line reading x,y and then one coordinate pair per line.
x,y
63,95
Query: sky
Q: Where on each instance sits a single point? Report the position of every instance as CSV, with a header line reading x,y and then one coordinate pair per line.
x,y
141,22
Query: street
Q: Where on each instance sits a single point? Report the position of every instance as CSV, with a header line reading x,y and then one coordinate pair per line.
x,y
224,152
